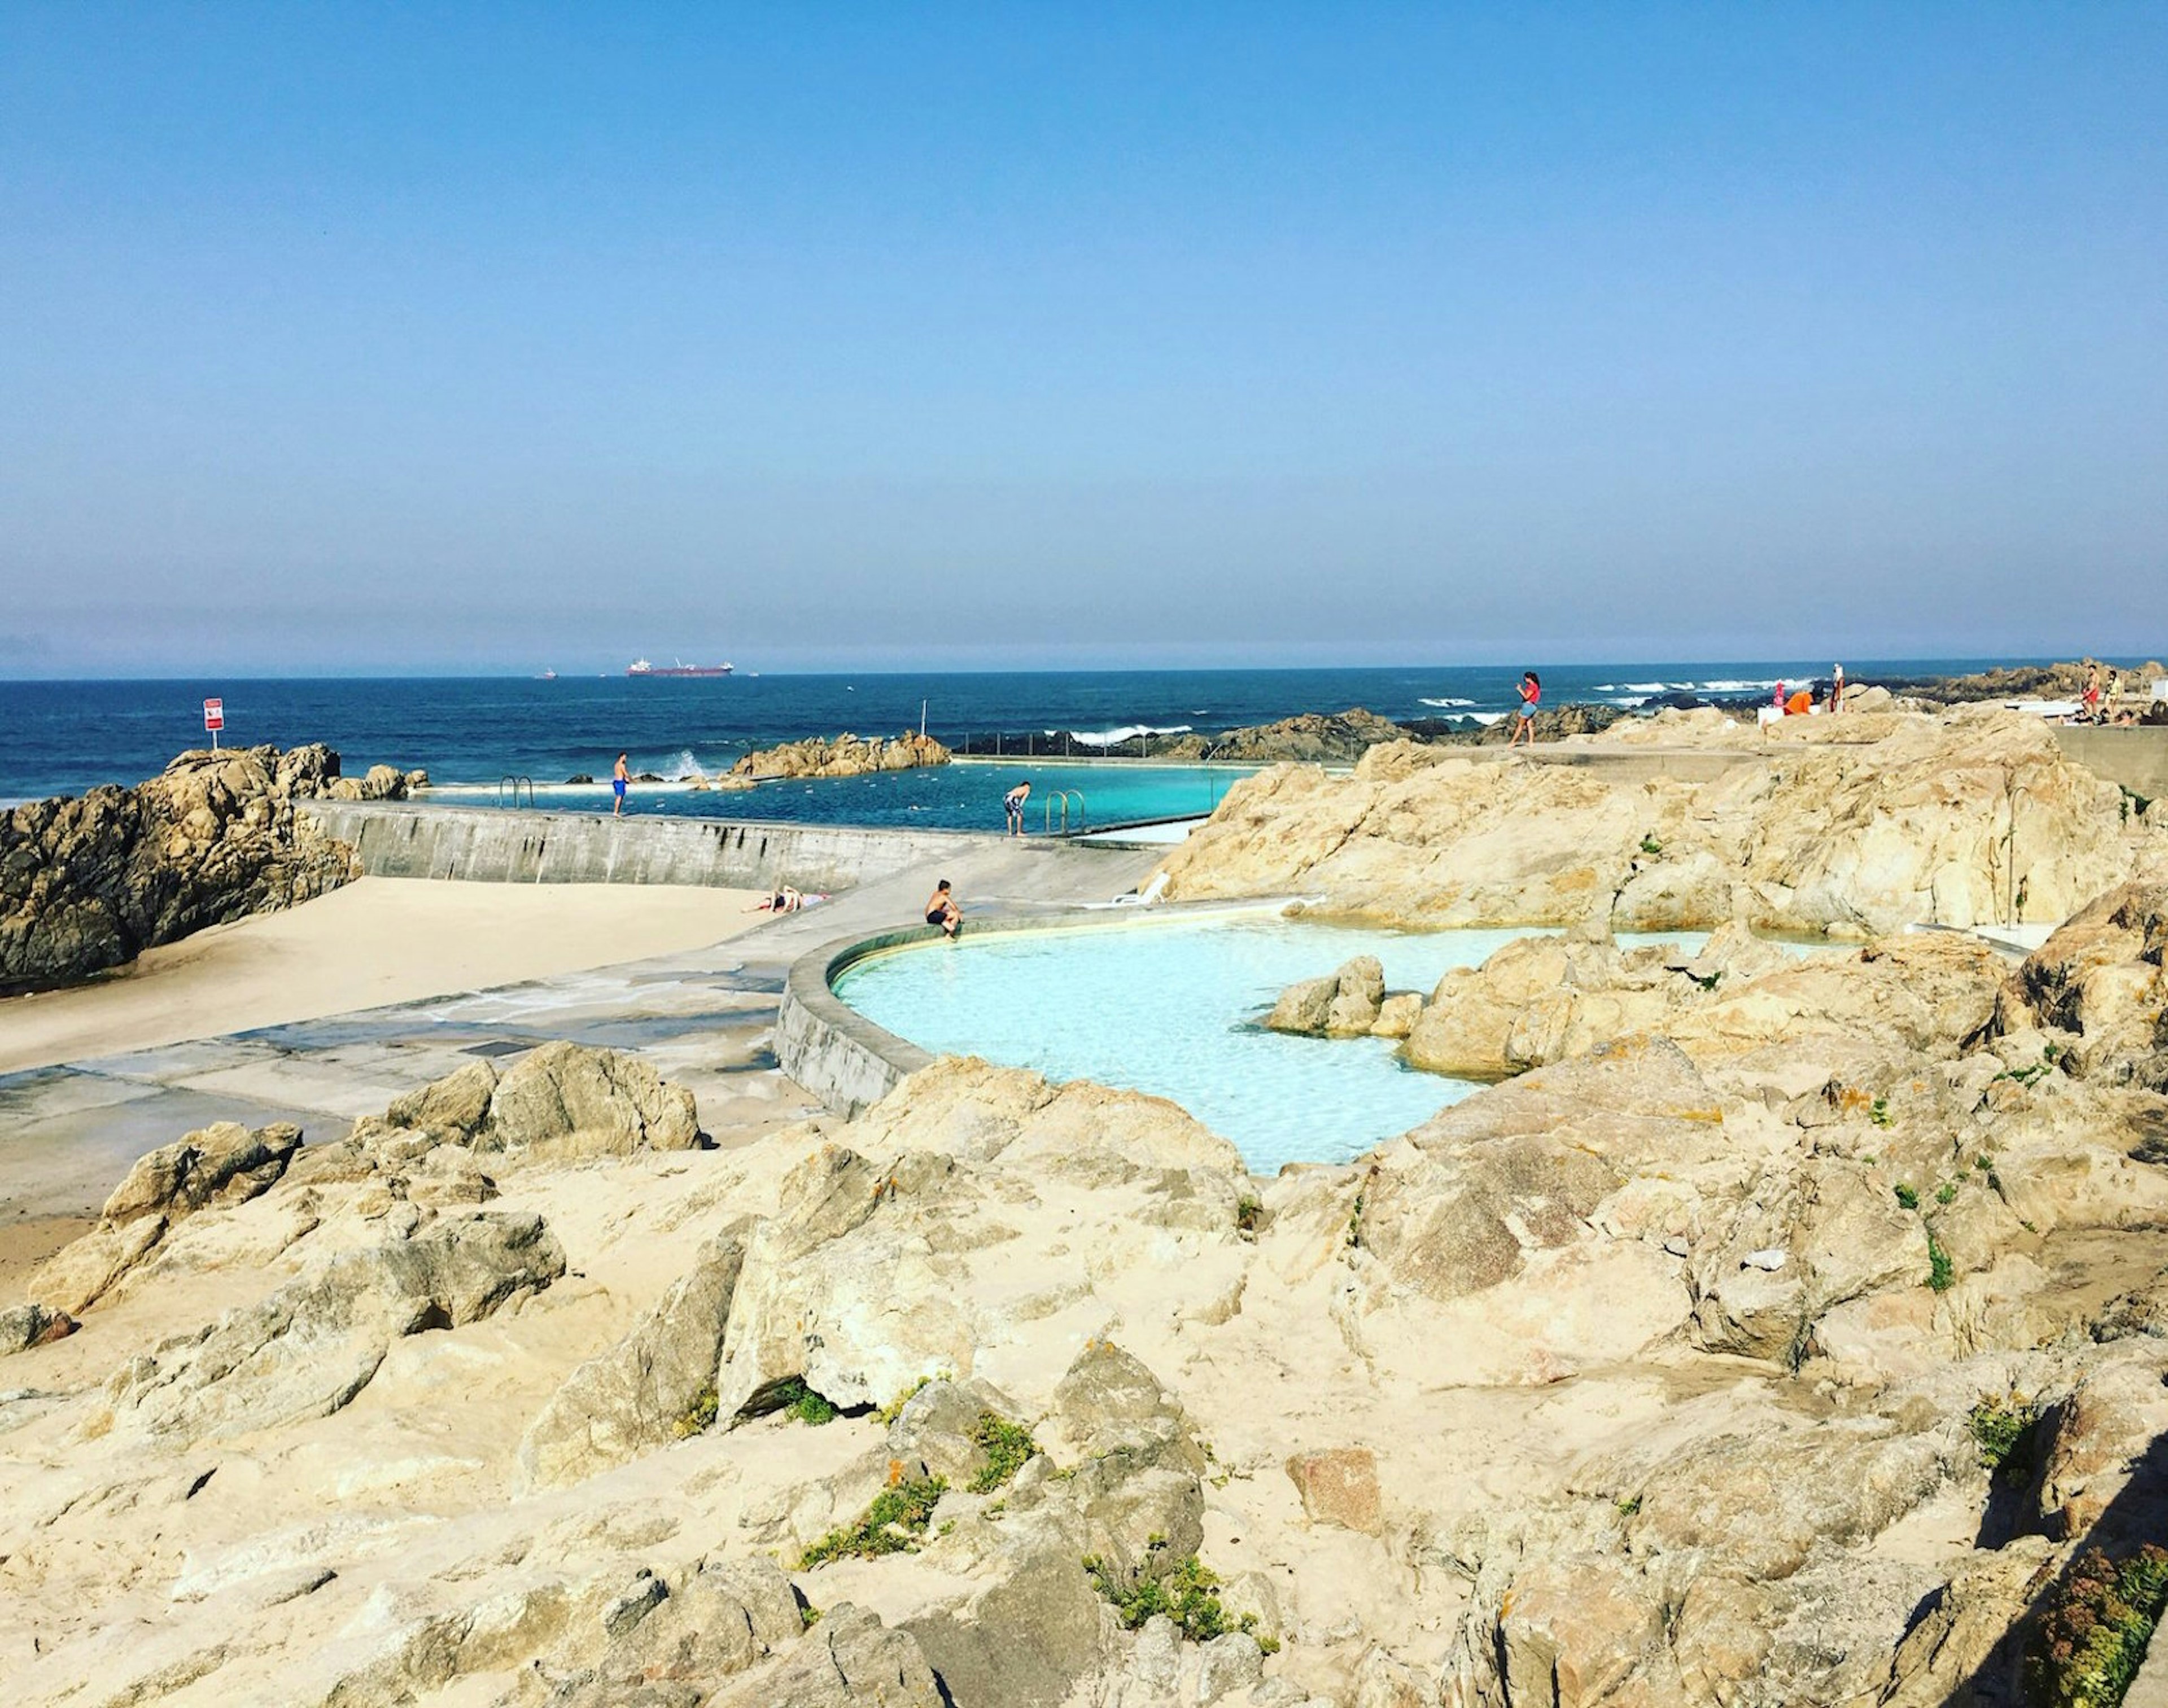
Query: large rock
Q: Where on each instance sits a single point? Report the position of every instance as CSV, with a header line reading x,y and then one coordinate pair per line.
x,y
849,1660
307,1350
1308,737
221,1165
1345,1004
560,1102
886,1265
23,1327
587,1101
646,1391
841,755
2101,976
89,883
1857,828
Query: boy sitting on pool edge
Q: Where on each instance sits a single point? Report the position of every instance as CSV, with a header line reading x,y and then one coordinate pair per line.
x,y
941,909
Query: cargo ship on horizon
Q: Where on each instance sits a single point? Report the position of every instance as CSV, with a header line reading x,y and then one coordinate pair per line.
x,y
642,667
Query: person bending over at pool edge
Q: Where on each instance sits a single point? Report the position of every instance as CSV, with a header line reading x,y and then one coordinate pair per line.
x,y
941,909
1012,804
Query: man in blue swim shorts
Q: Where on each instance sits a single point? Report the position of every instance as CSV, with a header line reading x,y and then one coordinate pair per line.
x,y
619,778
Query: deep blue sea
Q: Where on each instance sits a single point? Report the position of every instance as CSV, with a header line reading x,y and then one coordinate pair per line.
x,y
63,737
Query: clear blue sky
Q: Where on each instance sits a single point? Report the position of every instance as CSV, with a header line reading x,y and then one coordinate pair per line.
x,y
493,336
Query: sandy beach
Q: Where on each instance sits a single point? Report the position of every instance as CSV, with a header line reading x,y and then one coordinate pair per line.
x,y
378,941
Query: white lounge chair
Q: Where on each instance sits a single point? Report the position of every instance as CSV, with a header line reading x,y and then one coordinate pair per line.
x,y
1137,898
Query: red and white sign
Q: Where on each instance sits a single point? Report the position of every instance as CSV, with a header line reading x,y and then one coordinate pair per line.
x,y
214,715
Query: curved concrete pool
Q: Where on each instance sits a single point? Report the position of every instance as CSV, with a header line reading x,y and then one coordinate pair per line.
x,y
1172,1006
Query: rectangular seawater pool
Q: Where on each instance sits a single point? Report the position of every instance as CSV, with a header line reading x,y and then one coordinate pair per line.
x,y
963,796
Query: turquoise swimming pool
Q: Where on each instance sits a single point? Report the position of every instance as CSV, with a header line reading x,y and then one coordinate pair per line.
x,y
964,796
1172,1006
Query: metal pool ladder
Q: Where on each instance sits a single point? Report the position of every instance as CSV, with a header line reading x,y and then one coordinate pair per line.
x,y
1064,796
514,785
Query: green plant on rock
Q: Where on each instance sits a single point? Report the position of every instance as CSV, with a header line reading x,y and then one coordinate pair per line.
x,y
1907,1197
1650,844
2093,1638
803,1403
1878,1112
894,1524
697,1418
1941,1272
2003,1430
1249,1213
1188,1593
1946,1192
1008,1447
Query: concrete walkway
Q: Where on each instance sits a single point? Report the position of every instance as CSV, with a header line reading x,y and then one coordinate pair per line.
x,y
705,1017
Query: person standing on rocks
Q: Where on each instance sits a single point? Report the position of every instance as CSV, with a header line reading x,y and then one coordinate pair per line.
x,y
619,778
1013,805
1836,688
1532,694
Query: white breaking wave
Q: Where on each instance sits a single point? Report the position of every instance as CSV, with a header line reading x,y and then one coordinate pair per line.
x,y
1486,717
1629,700
1647,688
1446,702
1128,732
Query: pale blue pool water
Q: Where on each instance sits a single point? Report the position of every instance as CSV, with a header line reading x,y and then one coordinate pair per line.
x,y
1172,1007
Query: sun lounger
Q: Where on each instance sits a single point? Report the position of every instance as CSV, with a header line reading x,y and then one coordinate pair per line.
x,y
1137,898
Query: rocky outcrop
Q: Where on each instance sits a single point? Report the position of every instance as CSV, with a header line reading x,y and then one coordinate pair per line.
x,y
309,1348
1858,827
1783,1350
88,884
1349,1003
560,1102
841,755
2100,977
870,1275
221,1165
646,1391
1310,737
1549,998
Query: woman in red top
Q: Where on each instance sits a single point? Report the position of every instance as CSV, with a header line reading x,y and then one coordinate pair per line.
x,y
1532,694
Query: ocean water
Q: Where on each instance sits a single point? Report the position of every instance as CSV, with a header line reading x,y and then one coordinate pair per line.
x,y
64,737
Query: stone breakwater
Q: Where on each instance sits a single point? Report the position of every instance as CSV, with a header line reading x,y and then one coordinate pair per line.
x,y
841,755
88,884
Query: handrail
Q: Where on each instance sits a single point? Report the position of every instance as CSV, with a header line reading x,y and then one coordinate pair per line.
x,y
515,783
1065,796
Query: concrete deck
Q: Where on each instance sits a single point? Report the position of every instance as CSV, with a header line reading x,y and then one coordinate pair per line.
x,y
706,1018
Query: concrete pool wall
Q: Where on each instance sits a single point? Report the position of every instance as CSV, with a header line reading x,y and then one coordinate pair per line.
x,y
486,845
849,1063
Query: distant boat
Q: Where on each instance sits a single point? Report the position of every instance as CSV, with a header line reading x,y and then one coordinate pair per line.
x,y
642,667
549,675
